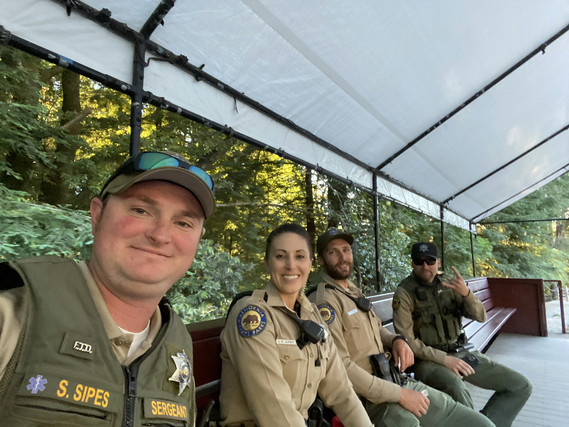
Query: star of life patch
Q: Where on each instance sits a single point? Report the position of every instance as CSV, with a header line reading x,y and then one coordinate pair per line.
x,y
36,384
327,312
251,321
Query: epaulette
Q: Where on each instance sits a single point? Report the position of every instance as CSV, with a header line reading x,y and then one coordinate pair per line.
x,y
313,289
310,290
242,295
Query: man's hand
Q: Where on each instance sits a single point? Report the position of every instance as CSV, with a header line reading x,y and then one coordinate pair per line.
x,y
457,284
402,355
414,401
458,366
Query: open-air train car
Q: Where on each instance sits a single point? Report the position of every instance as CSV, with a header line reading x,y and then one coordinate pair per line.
x,y
454,109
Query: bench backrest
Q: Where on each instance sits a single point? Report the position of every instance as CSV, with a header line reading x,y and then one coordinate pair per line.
x,y
207,363
382,308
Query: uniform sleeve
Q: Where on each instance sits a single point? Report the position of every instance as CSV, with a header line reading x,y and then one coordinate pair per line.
x,y
12,312
385,335
473,308
403,324
257,363
337,393
365,384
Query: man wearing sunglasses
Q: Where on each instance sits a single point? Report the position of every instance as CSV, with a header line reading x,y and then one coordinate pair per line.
x,y
427,310
374,357
95,343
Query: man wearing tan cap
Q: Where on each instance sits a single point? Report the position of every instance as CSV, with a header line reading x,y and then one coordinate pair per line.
x,y
95,343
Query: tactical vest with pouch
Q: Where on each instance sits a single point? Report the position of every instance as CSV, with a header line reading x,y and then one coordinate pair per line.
x,y
437,314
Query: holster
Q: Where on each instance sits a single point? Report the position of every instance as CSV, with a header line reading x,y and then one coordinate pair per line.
x,y
385,369
316,416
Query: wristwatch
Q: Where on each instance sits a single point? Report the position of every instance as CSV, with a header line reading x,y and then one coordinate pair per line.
x,y
400,337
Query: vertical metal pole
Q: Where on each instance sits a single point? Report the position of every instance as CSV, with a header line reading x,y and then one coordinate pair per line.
x,y
376,217
155,19
561,305
472,252
442,240
136,101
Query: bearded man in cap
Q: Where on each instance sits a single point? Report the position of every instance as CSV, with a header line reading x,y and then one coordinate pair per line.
x,y
373,356
427,310
95,343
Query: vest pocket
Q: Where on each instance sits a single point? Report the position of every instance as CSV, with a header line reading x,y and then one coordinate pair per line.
x,y
39,412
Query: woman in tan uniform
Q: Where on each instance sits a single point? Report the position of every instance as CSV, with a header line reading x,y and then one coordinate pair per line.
x,y
276,353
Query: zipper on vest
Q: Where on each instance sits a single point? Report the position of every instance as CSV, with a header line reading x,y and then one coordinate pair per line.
x,y
131,373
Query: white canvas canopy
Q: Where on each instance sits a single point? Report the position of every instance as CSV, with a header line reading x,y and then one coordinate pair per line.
x,y
454,108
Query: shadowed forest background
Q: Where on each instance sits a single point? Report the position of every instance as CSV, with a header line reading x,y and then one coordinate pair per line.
x,y
62,135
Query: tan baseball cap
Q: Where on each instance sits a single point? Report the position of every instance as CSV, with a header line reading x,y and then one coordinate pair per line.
x,y
163,166
331,234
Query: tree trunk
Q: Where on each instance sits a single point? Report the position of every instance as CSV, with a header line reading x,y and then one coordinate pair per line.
x,y
54,189
337,193
25,91
309,203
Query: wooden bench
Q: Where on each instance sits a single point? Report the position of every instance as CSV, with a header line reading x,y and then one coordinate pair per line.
x,y
479,334
207,345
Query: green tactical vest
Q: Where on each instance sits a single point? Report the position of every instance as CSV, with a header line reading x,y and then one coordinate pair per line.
x,y
66,372
437,314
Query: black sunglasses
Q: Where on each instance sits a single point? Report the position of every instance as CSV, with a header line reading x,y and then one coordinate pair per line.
x,y
421,261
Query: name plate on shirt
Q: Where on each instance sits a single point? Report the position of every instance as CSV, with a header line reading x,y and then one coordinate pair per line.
x,y
286,342
354,311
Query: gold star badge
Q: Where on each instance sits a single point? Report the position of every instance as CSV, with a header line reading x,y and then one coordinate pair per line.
x,y
183,373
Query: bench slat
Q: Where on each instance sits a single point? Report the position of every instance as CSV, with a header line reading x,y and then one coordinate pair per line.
x,y
477,284
483,294
490,328
471,326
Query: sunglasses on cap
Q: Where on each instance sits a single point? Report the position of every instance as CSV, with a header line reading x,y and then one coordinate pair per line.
x,y
421,261
148,160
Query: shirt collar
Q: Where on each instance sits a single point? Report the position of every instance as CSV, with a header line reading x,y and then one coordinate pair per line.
x,y
275,300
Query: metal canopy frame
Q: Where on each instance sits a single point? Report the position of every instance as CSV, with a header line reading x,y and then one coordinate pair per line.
x,y
323,154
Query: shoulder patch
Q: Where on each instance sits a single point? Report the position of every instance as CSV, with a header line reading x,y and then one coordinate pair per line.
x,y
327,313
251,321
395,303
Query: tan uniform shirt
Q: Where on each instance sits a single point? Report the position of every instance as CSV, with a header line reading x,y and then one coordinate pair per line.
x,y
267,379
357,335
403,322
12,313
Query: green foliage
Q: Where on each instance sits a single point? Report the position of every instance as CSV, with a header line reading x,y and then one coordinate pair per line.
x,y
32,228
530,249
207,289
